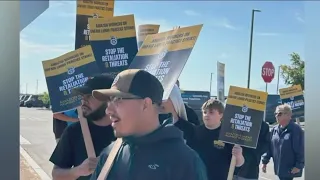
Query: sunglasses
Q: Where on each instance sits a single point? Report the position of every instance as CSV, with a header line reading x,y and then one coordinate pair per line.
x,y
278,114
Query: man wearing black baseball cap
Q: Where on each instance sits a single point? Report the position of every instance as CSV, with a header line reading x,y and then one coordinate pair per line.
x,y
148,150
70,156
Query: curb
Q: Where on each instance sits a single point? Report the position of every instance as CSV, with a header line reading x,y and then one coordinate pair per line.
x,y
34,165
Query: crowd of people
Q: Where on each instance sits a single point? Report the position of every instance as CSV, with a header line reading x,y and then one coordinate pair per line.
x,y
164,140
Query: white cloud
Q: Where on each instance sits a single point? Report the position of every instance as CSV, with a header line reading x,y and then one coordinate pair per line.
x,y
223,23
56,4
191,13
267,34
30,49
299,17
223,55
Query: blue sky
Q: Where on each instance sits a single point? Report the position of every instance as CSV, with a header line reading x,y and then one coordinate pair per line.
x,y
279,31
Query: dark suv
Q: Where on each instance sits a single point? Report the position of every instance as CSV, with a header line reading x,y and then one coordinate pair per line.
x,y
23,99
35,101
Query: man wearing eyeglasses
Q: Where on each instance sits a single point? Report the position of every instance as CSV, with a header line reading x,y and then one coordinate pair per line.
x,y
149,151
287,146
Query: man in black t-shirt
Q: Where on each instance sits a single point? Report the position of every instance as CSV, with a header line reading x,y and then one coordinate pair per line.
x,y
70,156
204,139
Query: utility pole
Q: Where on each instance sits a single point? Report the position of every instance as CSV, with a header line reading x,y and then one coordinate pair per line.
x,y
250,48
211,83
37,86
278,79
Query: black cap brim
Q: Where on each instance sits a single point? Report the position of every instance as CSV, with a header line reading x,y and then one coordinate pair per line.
x,y
82,90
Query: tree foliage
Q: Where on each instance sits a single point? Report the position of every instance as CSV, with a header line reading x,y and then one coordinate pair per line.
x,y
294,74
45,98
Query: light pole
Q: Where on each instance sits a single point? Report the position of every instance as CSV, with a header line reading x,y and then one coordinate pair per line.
x,y
211,83
279,68
250,49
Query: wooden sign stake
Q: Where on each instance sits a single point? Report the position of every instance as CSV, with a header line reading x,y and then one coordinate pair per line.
x,y
86,134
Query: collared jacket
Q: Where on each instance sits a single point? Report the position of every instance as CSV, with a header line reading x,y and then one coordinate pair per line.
x,y
160,155
286,150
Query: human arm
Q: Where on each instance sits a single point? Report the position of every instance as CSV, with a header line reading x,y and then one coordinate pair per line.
x,y
298,148
237,152
188,130
63,117
266,157
192,115
101,162
62,158
263,141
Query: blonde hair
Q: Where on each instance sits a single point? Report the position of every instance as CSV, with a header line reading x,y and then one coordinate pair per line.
x,y
285,108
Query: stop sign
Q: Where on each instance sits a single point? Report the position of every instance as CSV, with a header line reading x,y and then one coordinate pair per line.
x,y
267,72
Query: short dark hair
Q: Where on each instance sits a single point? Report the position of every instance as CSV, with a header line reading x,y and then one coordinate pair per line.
x,y
213,104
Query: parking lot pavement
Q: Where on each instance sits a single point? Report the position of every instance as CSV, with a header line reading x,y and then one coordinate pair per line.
x,y
37,139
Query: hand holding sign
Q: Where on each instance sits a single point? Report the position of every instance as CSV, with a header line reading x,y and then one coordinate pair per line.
x,y
242,120
87,167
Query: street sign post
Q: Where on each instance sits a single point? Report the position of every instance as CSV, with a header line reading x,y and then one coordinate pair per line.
x,y
267,73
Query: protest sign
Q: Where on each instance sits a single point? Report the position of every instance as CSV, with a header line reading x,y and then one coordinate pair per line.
x,y
165,54
220,81
294,97
145,30
66,72
195,99
114,43
90,9
243,116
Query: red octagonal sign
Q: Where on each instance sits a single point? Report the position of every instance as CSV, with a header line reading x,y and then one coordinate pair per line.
x,y
267,72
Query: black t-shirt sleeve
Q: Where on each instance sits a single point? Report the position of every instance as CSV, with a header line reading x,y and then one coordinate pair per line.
x,y
187,128
62,154
192,115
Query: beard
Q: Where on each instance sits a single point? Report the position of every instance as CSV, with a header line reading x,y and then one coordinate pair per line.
x,y
98,114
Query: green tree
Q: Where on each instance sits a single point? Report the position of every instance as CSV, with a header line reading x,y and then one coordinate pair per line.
x,y
45,98
294,74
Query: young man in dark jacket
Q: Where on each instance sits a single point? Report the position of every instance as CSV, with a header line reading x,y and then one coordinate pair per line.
x,y
286,147
250,169
148,151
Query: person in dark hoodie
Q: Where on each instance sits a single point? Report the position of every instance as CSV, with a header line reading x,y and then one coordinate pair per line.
x,y
204,139
149,151
250,169
287,146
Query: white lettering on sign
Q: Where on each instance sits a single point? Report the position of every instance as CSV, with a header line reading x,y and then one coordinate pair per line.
x,y
267,72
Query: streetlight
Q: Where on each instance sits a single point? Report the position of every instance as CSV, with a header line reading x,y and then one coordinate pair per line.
x,y
250,50
279,68
210,82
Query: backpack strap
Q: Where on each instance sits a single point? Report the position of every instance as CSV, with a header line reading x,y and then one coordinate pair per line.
x,y
110,160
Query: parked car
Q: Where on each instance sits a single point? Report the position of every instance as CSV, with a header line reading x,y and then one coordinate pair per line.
x,y
35,101
23,99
